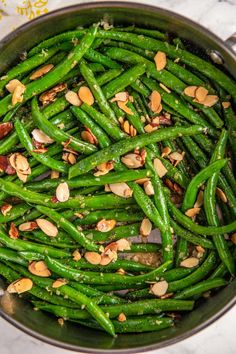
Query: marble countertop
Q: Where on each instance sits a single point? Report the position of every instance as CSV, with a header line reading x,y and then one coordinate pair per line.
x,y
219,17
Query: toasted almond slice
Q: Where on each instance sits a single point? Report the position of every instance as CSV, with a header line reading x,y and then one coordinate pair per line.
x,y
166,151
93,257
159,167
155,101
149,128
176,156
226,105
123,245
233,238
41,137
121,189
20,286
28,226
89,137
201,93
62,192
190,91
189,262
76,255
121,271
199,201
17,95
5,209
122,105
59,282
148,188
126,126
41,71
104,168
73,98
142,180
39,268
105,260
146,227
192,212
210,100
107,188
12,84
105,225
200,249
132,160
121,96
86,95
47,227
160,60
121,317
13,231
19,162
69,157
22,176
159,288
55,174
221,195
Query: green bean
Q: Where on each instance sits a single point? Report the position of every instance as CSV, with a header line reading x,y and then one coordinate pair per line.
x,y
114,234
109,75
127,145
140,87
188,58
124,80
21,245
10,255
103,278
15,212
66,225
198,180
197,289
144,247
97,57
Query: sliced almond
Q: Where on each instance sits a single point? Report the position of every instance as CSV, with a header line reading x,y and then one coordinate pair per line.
x,y
13,231
199,201
210,100
233,238
132,160
69,157
121,317
159,167
93,257
41,137
150,128
73,98
47,227
142,180
41,71
50,95
20,286
76,255
20,163
190,91
121,96
160,60
121,271
105,225
104,168
89,137
146,227
176,156
5,166
166,151
159,289
189,262
12,84
105,260
59,282
226,105
86,95
28,226
62,192
221,195
148,188
123,107
192,212
39,268
5,209
17,95
121,189
5,129
201,93
55,174
123,245
155,101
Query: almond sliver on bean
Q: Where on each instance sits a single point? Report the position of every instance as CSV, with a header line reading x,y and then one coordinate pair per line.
x,y
122,105
39,268
121,189
160,60
146,227
20,286
123,245
105,225
41,137
47,227
132,160
160,168
12,84
93,257
17,95
41,71
210,100
199,201
62,192
148,188
190,91
59,282
28,226
76,255
201,93
189,262
5,209
192,212
86,95
221,195
155,101
226,104
73,98
159,288
176,156
120,96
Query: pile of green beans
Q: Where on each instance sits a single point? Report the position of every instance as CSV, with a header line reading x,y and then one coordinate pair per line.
x,y
110,165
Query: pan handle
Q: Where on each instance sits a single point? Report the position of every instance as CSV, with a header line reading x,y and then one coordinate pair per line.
x,y
231,42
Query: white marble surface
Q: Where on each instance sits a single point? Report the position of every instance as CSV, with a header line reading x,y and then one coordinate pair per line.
x,y
218,16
